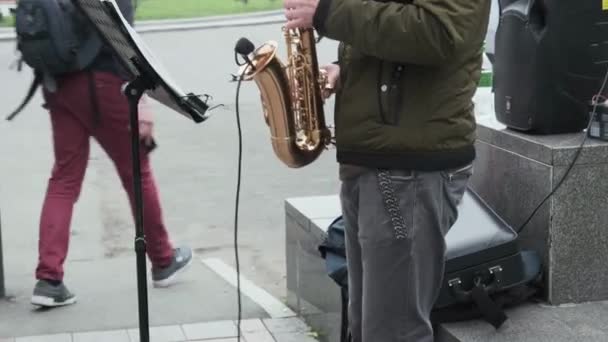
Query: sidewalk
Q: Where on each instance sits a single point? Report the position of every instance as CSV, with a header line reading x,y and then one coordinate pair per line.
x,y
253,330
101,269
202,307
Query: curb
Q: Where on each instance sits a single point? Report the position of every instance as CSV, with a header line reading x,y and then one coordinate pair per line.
x,y
214,22
227,17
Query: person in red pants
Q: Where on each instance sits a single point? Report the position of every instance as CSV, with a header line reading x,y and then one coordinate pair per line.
x,y
91,104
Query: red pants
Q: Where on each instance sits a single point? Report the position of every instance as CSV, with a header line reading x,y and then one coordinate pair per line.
x,y
72,119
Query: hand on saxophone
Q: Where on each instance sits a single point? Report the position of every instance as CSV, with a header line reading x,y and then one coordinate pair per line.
x,y
332,72
146,123
300,13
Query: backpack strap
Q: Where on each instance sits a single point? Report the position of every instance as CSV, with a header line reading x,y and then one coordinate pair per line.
x,y
35,83
490,310
344,331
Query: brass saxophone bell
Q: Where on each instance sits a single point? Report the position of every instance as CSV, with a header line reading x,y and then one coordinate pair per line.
x,y
262,56
292,97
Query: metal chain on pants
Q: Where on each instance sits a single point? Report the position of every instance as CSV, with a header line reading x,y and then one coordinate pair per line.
x,y
391,204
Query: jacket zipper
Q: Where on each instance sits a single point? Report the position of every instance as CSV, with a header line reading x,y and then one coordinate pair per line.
x,y
390,90
379,86
393,96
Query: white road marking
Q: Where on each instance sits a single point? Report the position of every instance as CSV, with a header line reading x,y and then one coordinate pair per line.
x,y
274,307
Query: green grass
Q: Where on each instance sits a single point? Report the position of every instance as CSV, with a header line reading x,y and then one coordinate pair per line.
x,y
164,9
177,9
7,21
486,79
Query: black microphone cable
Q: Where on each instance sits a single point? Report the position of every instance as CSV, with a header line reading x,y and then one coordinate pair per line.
x,y
236,210
243,48
576,156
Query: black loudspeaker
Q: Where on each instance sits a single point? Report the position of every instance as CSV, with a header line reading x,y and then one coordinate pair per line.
x,y
550,60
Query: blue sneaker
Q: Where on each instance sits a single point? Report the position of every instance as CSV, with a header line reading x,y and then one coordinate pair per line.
x,y
164,277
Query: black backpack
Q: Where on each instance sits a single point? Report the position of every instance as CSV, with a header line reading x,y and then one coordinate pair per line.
x,y
54,38
333,250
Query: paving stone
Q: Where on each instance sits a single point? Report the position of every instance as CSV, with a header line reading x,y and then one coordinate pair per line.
x,y
258,336
102,336
209,330
294,337
254,330
286,325
173,333
252,325
46,338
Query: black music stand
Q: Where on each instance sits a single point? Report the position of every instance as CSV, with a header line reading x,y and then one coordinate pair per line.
x,y
2,287
146,75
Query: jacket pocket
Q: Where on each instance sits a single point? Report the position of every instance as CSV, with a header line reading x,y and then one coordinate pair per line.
x,y
390,93
396,95
381,90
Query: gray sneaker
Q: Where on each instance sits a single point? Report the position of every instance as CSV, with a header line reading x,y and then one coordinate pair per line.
x,y
48,295
164,277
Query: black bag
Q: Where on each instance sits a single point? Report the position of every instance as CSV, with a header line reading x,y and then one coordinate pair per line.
x,y
333,250
485,272
54,38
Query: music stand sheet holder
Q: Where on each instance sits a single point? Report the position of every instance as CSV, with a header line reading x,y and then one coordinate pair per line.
x,y
146,76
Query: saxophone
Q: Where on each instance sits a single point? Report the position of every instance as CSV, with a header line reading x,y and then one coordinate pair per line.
x,y
291,97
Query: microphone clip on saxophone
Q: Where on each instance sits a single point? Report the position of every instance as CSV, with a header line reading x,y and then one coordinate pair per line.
x,y
244,47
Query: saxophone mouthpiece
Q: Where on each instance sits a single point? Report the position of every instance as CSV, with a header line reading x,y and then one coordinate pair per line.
x,y
245,47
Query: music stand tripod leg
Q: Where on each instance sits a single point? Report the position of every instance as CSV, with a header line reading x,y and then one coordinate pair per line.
x,y
2,288
134,91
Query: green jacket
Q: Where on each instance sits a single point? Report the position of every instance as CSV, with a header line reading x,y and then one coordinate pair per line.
x,y
409,70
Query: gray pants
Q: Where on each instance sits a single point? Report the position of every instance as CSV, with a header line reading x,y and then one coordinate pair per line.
x,y
396,222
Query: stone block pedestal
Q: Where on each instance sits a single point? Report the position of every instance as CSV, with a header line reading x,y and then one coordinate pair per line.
x,y
514,172
310,292
2,287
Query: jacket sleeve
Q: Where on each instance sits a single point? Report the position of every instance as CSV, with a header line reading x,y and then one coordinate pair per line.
x,y
424,32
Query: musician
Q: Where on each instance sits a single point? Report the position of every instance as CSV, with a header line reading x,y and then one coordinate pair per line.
x,y
405,131
86,104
